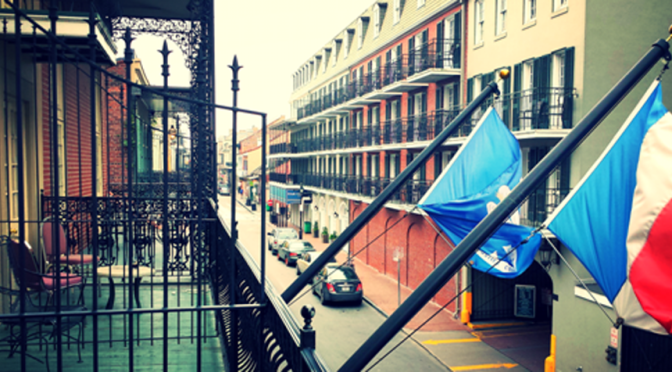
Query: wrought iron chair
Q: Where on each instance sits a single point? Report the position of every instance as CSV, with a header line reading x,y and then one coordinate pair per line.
x,y
27,272
61,252
40,328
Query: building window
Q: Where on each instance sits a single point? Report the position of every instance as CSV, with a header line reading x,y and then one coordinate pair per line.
x,y
478,37
346,44
376,21
360,33
397,12
334,56
559,4
421,3
500,27
529,11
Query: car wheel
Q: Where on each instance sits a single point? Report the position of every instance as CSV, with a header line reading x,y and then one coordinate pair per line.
x,y
323,301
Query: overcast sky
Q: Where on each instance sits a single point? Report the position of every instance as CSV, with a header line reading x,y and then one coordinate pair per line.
x,y
271,38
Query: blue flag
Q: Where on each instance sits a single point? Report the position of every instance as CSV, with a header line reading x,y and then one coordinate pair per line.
x,y
482,173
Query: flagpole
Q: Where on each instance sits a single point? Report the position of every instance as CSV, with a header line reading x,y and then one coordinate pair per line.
x,y
482,232
378,203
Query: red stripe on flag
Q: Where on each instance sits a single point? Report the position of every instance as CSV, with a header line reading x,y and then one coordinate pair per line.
x,y
651,272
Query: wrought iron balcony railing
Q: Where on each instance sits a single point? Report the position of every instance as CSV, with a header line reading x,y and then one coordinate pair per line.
x,y
533,109
437,53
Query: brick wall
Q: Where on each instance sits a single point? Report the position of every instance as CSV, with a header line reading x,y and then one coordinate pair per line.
x,y
422,248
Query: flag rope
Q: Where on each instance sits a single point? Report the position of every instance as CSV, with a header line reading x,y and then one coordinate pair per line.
x,y
349,261
414,331
583,284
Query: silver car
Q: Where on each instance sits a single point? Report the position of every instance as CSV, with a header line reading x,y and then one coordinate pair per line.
x,y
279,236
306,259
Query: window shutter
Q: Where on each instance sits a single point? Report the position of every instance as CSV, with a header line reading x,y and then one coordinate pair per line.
x,y
409,105
424,103
387,165
388,109
439,44
569,67
438,98
470,89
456,95
368,166
397,166
438,167
458,39
568,101
517,82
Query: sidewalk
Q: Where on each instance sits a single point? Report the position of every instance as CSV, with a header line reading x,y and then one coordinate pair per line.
x,y
381,292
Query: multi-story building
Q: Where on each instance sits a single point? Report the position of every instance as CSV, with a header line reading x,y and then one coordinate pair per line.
x,y
374,96
563,55
364,106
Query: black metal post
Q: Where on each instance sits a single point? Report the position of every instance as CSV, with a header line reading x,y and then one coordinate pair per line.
x,y
301,212
164,211
21,190
380,201
130,133
262,187
234,228
92,41
451,264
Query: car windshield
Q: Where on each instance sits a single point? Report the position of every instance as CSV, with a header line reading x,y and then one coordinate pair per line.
x,y
287,234
342,273
301,246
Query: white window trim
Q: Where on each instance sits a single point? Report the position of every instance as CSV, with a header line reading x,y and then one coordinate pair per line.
x,y
527,11
360,33
558,5
376,21
479,22
500,19
396,12
421,3
346,44
581,292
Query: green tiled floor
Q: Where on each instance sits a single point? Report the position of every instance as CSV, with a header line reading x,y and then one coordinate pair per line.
x,y
114,334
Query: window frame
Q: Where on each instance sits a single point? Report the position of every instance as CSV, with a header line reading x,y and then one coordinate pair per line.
x,y
560,5
529,11
500,17
376,20
396,13
360,33
479,22
421,3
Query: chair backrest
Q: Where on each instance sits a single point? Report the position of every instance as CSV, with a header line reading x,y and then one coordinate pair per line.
x,y
26,271
50,240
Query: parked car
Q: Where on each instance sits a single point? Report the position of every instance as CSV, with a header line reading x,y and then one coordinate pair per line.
x,y
279,236
291,250
223,189
306,259
338,284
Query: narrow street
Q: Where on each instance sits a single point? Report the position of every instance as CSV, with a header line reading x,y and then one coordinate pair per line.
x,y
341,329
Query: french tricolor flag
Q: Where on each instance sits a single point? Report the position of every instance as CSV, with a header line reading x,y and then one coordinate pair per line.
x,y
618,220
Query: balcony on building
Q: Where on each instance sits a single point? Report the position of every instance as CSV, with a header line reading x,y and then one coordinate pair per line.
x,y
72,28
430,62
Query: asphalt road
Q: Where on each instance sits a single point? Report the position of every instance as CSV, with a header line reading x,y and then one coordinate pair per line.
x,y
340,329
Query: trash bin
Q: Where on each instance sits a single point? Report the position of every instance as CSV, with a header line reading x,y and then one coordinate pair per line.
x,y
274,218
254,206
306,227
